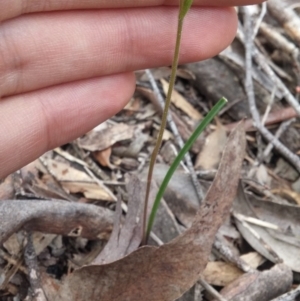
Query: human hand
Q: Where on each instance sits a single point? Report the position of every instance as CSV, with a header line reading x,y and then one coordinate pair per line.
x,y
66,66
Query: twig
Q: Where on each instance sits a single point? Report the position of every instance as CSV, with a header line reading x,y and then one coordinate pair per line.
x,y
173,148
269,107
282,128
227,253
289,296
177,136
33,271
268,248
274,117
260,19
198,292
287,17
156,239
256,221
260,60
211,290
12,261
230,105
11,272
278,40
251,97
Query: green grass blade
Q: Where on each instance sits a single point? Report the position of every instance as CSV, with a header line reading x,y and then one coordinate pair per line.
x,y
205,122
185,5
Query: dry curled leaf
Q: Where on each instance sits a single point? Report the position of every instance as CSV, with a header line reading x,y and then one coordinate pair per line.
x,y
180,102
164,273
126,238
210,155
279,243
74,180
100,140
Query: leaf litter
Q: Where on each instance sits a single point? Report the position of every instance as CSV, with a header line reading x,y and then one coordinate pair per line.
x,y
124,143
165,273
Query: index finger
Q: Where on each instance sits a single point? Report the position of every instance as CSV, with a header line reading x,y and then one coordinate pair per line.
x,y
14,8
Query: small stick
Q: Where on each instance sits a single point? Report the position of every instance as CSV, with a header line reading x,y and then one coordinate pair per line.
x,y
260,19
227,253
211,290
261,61
294,159
268,248
282,128
33,270
177,136
273,118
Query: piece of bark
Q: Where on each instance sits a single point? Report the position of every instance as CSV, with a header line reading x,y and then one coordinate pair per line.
x,y
57,217
262,286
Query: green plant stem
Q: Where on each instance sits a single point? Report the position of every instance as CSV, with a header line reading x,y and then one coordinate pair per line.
x,y
209,117
163,124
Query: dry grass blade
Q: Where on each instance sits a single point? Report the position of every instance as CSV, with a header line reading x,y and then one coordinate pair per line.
x,y
165,273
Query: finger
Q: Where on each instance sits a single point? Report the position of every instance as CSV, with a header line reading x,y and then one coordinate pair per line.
x,y
53,48
15,8
38,121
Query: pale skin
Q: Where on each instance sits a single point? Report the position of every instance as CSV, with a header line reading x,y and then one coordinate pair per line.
x,y
67,65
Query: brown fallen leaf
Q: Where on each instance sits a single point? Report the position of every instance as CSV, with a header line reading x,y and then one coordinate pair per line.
x,y
288,194
253,259
126,238
89,190
165,273
181,103
99,140
210,155
57,217
221,273
278,243
134,105
76,181
262,286
103,157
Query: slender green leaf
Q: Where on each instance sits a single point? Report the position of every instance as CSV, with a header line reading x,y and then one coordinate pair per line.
x,y
185,5
208,118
